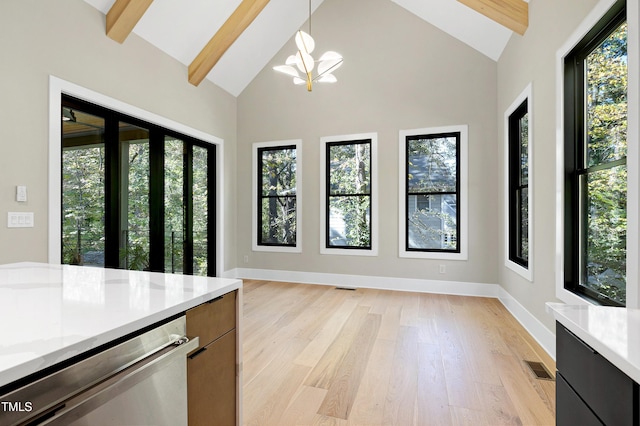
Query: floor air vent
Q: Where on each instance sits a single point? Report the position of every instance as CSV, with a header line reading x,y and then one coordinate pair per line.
x,y
346,288
539,370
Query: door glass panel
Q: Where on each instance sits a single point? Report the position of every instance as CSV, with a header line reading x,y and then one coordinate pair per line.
x,y
200,210
134,197
83,188
173,205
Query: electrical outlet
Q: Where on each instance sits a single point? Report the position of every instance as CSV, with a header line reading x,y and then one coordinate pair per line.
x,y
246,258
443,269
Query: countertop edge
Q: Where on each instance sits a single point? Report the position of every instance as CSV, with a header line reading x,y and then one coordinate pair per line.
x,y
624,364
53,358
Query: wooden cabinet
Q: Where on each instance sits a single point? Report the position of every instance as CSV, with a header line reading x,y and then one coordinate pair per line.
x,y
211,369
589,389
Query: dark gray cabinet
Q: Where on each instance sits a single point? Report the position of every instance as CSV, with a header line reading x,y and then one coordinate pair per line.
x,y
589,389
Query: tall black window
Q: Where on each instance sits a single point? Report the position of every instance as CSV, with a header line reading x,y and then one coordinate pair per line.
x,y
135,195
596,161
348,194
277,215
519,185
432,173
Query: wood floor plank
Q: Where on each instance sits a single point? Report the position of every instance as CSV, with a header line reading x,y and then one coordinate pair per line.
x,y
274,405
313,354
369,403
466,417
324,338
325,371
531,409
390,323
304,406
346,383
403,384
498,408
457,370
270,376
432,405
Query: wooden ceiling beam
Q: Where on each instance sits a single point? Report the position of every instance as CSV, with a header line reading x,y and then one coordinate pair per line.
x,y
239,20
513,14
123,16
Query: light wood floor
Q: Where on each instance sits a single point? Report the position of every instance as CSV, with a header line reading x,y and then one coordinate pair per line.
x,y
314,355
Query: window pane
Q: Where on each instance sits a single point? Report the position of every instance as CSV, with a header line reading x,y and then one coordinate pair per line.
x,y
173,205
524,147
432,164
606,216
277,202
606,97
200,210
278,171
83,188
349,221
432,222
278,221
523,230
350,168
134,197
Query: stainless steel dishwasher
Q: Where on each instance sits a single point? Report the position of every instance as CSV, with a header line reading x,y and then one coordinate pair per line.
x,y
142,381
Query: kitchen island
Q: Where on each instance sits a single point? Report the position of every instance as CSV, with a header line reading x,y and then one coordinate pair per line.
x,y
50,314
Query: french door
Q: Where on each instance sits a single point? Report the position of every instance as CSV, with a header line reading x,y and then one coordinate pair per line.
x,y
135,195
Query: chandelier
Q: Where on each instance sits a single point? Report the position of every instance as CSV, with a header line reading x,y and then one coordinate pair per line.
x,y
303,62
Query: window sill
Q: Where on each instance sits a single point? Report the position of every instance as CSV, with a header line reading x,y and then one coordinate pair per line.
x,y
525,273
349,252
432,255
277,249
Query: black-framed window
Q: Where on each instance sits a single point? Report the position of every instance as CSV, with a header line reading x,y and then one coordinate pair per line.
x,y
277,196
135,195
432,189
348,180
519,185
596,161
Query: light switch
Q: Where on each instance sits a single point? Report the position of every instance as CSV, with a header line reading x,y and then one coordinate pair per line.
x,y
20,220
21,193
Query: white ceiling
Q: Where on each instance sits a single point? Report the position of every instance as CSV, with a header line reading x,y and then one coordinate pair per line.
x,y
182,28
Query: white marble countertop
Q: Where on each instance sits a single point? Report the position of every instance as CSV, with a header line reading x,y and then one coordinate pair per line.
x,y
612,332
49,313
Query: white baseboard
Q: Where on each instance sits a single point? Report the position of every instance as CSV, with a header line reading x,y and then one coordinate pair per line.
x,y
545,337
540,333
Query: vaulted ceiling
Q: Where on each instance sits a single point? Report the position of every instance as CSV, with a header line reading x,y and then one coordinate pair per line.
x,y
230,41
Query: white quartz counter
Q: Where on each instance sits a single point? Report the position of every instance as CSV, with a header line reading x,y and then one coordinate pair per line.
x,y
49,313
613,332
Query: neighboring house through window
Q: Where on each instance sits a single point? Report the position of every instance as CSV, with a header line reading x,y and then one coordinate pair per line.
x,y
433,200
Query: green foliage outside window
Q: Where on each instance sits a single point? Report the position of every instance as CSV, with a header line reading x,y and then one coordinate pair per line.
x,y
606,185
349,195
278,196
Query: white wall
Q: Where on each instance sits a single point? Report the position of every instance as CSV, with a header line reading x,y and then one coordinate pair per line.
x,y
399,73
66,38
532,59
